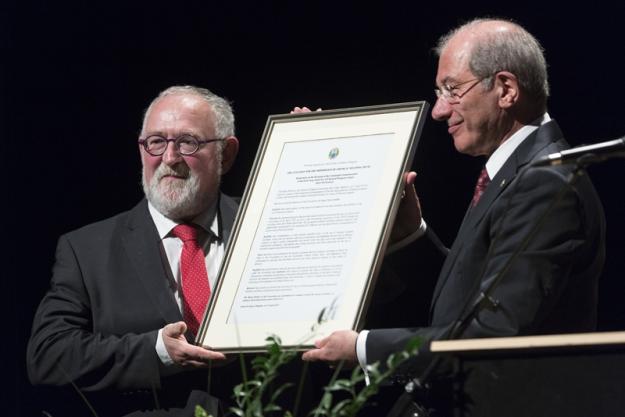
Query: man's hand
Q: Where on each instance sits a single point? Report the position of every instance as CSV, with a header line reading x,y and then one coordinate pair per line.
x,y
339,346
408,217
183,353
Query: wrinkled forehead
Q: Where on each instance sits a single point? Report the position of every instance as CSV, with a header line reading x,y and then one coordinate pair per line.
x,y
188,103
453,63
188,113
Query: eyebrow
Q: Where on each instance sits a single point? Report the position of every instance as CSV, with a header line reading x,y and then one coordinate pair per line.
x,y
163,134
445,81
450,80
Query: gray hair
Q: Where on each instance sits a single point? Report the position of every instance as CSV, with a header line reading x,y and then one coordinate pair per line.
x,y
516,51
222,110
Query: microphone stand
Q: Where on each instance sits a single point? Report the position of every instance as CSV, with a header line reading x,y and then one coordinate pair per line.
x,y
406,406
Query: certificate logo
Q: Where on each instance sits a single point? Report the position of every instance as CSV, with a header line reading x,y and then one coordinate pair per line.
x,y
334,152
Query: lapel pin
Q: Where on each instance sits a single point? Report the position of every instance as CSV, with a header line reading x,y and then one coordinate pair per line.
x,y
503,182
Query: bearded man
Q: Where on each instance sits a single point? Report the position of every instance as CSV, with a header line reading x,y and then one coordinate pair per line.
x,y
128,293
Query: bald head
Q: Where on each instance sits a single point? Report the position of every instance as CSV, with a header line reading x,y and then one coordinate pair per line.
x,y
494,45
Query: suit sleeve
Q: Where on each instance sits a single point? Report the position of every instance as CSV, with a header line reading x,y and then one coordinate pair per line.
x,y
551,273
65,347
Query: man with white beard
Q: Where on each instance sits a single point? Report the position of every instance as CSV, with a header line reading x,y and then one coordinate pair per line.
x,y
128,293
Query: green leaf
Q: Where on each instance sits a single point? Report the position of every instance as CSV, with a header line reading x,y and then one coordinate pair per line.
x,y
238,390
273,339
200,412
340,405
326,400
357,376
252,383
412,347
389,360
280,390
339,385
317,411
271,407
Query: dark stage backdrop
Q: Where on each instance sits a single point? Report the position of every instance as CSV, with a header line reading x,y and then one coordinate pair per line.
x,y
76,76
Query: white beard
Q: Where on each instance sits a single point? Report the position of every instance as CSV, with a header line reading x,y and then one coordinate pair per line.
x,y
176,199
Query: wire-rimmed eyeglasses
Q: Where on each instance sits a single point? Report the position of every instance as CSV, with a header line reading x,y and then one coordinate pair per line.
x,y
450,94
156,145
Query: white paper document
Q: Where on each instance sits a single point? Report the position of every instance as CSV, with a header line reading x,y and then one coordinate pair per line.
x,y
305,244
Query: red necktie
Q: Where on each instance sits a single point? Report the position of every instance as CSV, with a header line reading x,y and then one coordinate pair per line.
x,y
195,288
482,182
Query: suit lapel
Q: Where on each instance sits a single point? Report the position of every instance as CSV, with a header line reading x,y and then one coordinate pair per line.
x,y
227,212
527,150
228,208
142,245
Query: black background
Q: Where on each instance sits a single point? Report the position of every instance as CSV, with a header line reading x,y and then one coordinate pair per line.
x,y
76,77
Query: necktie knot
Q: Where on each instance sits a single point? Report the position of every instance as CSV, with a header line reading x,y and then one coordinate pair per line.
x,y
482,182
185,232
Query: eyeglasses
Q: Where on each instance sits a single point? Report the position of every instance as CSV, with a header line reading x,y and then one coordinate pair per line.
x,y
156,145
450,93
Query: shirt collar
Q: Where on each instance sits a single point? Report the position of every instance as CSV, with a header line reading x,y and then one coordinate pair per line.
x,y
207,220
503,152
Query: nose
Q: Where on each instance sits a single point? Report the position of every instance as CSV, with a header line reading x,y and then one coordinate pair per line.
x,y
171,155
441,110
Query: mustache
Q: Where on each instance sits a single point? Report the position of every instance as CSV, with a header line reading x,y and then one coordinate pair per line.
x,y
180,170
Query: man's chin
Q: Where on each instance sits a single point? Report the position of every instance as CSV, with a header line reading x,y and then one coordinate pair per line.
x,y
170,197
464,146
460,145
176,210
171,181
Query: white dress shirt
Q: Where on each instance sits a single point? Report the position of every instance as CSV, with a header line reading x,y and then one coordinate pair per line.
x,y
211,240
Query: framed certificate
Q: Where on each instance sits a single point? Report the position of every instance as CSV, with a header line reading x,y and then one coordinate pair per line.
x,y
313,225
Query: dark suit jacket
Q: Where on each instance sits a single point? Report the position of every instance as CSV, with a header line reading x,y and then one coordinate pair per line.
x,y
97,325
551,286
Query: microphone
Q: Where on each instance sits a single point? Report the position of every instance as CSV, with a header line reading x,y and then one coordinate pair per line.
x,y
595,152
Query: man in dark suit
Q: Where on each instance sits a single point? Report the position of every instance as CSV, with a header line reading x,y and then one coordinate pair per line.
x,y
492,92
115,320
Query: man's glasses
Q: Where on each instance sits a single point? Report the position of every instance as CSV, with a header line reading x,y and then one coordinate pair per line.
x,y
156,145
451,94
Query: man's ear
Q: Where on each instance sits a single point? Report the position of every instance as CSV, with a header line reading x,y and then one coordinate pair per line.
x,y
509,86
229,153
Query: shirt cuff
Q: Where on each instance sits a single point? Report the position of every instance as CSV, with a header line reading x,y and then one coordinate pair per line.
x,y
408,239
361,352
161,350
